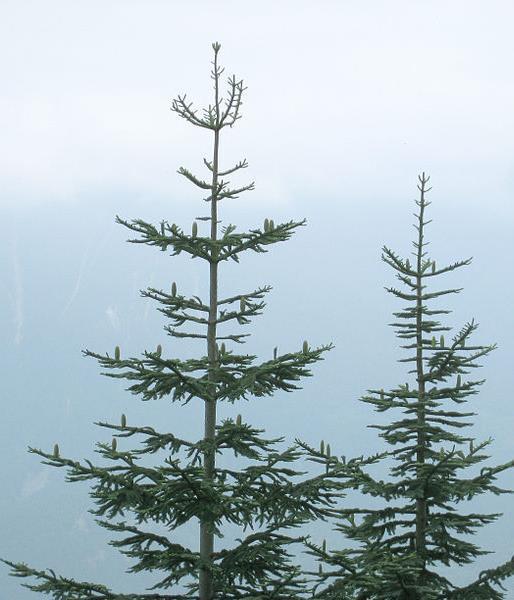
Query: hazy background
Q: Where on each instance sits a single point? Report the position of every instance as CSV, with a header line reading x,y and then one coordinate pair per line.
x,y
347,102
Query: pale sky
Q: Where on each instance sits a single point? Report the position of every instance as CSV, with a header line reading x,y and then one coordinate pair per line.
x,y
347,102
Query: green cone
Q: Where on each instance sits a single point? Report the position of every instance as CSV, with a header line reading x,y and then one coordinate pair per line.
x,y
123,421
114,444
173,289
117,353
56,451
305,347
195,229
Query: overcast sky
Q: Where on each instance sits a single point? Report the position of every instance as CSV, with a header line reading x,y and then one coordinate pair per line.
x,y
347,102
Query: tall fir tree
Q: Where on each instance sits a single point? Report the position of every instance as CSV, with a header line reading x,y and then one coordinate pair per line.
x,y
268,496
420,527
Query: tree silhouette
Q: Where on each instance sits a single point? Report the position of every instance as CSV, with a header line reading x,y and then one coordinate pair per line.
x,y
267,496
419,526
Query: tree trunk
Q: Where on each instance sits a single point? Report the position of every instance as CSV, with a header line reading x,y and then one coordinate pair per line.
x,y
206,535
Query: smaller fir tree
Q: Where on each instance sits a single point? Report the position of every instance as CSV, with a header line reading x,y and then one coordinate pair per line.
x,y
400,545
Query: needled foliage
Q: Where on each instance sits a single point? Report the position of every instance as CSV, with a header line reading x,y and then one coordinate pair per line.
x,y
423,523
266,498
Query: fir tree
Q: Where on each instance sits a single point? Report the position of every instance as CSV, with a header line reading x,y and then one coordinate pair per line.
x,y
400,545
268,496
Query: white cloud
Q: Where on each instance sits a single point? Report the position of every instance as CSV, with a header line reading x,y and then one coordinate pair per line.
x,y
17,296
112,315
34,482
67,405
80,524
89,258
95,559
77,283
356,90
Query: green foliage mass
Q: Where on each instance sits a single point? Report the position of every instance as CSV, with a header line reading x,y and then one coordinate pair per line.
x,y
396,548
268,499
421,524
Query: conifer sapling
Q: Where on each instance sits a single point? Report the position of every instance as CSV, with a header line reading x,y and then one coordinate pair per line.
x,y
422,522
